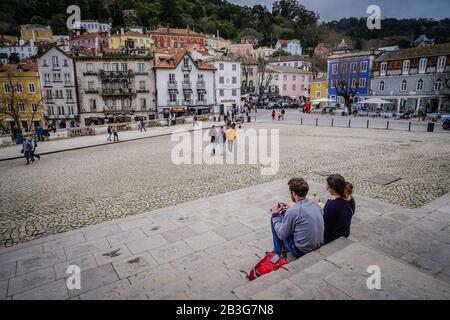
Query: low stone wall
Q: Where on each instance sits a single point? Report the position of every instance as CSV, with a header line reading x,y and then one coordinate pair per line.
x,y
6,140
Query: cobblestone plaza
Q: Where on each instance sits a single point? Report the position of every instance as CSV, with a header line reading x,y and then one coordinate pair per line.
x,y
69,190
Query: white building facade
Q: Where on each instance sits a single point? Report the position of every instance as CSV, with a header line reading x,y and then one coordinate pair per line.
x,y
59,87
184,86
24,49
115,89
91,26
227,82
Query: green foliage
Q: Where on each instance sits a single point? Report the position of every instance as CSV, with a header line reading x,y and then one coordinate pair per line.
x,y
279,53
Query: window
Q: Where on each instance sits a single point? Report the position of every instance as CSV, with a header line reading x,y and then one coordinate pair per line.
x,y
44,63
19,87
285,77
383,68
46,77
284,86
201,96
333,83
200,77
60,110
353,84
172,78
55,62
141,85
21,106
9,107
221,93
233,93
34,107
441,64
89,67
334,68
187,96
353,67
141,67
143,103
294,77
124,67
69,94
438,84
406,65
381,86
66,63
419,86
106,66
344,68
220,66
221,80
93,103
233,67
423,65
173,97
250,72
293,87
31,87
403,85
363,66
91,85
6,87
50,110
49,94
234,80
318,94
362,82
70,110
115,67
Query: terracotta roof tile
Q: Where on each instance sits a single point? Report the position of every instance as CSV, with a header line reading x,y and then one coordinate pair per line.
x,y
433,50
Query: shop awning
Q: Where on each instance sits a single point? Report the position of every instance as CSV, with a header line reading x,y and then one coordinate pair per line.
x,y
178,110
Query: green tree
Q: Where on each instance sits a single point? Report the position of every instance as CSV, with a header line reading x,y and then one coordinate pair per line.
x,y
38,20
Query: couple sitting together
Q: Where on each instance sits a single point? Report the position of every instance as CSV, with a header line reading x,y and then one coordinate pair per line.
x,y
303,227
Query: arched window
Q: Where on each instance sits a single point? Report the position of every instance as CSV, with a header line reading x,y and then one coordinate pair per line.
x,y
381,86
438,84
404,85
419,85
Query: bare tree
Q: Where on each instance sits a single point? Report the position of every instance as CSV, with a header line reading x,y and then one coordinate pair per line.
x,y
246,65
13,102
264,77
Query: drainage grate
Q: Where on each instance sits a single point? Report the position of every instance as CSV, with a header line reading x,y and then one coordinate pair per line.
x,y
383,179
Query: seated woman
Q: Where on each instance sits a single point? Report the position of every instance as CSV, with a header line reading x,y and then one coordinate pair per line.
x,y
338,213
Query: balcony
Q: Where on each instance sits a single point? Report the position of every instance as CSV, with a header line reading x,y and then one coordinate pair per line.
x,y
142,90
201,102
115,74
172,85
91,90
118,92
89,73
176,102
186,85
201,85
186,67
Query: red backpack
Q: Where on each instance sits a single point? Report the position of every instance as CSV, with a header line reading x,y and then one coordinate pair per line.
x,y
269,263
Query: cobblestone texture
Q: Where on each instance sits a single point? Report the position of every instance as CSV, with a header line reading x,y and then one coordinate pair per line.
x,y
69,190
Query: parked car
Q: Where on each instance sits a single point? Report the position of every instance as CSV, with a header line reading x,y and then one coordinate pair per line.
x,y
446,124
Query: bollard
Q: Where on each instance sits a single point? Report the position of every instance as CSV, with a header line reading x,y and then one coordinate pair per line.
x,y
349,122
387,125
317,120
301,120
367,123
409,126
332,120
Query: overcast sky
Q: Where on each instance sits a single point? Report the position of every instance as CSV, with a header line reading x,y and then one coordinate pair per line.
x,y
336,9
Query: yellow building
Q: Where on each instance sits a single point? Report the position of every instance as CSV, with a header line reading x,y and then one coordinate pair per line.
x,y
222,43
317,90
36,32
20,98
131,39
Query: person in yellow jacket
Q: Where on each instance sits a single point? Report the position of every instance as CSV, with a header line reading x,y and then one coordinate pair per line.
x,y
231,137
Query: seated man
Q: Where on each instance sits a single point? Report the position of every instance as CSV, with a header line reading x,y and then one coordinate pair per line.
x,y
300,228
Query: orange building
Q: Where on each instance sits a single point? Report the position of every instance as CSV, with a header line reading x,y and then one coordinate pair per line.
x,y
176,38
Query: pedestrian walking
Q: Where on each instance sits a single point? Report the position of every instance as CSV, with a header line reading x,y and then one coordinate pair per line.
x,y
282,114
273,114
213,138
195,121
33,149
109,130
114,131
26,150
221,138
142,125
92,129
231,137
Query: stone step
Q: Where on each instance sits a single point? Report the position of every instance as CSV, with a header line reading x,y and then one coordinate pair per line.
x,y
249,289
342,273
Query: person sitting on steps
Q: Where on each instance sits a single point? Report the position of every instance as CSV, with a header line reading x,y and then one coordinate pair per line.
x,y
298,228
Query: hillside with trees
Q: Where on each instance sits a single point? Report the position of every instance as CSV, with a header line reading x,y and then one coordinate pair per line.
x,y
288,19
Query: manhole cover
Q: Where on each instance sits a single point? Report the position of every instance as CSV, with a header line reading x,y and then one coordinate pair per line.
x,y
323,173
383,179
405,145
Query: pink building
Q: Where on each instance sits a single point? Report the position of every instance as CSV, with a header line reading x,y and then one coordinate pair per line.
x,y
289,81
94,41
